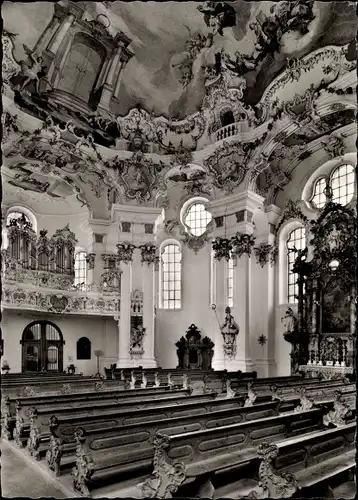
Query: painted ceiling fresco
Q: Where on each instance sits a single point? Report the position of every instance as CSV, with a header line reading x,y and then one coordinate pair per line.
x,y
175,45
136,100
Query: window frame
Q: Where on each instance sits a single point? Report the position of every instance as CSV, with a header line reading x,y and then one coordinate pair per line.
x,y
187,206
290,263
230,282
165,302
78,281
326,172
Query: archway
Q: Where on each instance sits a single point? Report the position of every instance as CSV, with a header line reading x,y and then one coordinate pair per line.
x,y
42,347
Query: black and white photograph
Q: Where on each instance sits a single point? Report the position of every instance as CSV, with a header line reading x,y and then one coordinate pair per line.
x,y
179,249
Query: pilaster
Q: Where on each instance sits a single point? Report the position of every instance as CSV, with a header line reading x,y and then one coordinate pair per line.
x,y
139,224
232,215
263,306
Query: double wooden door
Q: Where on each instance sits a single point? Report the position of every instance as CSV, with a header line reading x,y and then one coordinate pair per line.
x,y
42,348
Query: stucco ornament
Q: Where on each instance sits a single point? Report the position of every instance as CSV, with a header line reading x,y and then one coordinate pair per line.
x,y
265,253
149,253
228,165
125,251
138,176
333,145
242,243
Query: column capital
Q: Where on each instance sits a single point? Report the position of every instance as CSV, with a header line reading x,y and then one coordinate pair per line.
x,y
125,251
149,253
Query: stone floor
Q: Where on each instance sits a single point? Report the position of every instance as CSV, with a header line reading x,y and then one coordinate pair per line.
x,y
21,479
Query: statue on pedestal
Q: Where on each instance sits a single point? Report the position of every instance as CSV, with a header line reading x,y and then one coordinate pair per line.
x,y
229,331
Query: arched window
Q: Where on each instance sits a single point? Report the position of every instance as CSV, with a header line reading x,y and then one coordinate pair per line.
x,y
296,241
171,276
195,217
319,196
230,283
83,348
80,269
341,183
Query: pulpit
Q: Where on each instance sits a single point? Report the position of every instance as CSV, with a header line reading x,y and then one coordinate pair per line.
x,y
326,320
193,351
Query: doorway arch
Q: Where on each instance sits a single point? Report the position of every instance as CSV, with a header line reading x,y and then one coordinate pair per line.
x,y
42,347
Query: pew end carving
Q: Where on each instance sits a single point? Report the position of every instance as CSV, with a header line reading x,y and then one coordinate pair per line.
x,y
55,450
166,477
272,484
83,470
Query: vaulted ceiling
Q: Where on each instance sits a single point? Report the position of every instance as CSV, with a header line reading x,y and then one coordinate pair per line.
x,y
161,33
184,71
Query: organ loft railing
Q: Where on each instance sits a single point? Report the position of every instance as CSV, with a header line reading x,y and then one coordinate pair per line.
x,y
55,255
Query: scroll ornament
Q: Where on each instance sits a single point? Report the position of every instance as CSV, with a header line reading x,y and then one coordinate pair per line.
x,y
271,483
166,478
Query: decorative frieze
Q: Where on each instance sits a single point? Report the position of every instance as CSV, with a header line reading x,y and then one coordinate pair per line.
x,y
265,253
125,252
69,303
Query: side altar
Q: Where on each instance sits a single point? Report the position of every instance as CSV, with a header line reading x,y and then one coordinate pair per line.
x,y
193,351
323,335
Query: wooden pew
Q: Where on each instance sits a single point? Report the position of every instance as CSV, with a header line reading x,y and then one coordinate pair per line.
x,y
51,404
39,418
64,427
200,452
54,386
294,467
186,418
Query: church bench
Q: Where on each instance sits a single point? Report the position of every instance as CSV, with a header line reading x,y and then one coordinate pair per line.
x,y
204,454
39,417
66,386
312,458
106,465
75,402
100,438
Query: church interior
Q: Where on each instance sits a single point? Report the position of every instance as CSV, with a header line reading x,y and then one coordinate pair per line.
x,y
179,249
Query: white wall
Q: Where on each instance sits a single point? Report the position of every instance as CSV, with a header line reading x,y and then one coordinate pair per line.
x,y
102,332
172,324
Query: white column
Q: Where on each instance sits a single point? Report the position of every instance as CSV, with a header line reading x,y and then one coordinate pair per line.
x,y
120,68
57,39
47,35
148,287
220,294
124,323
262,321
242,285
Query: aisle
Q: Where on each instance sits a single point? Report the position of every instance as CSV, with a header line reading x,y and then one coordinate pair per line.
x,y
21,479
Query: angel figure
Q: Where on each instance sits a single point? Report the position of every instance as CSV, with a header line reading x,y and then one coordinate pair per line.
x,y
217,16
31,70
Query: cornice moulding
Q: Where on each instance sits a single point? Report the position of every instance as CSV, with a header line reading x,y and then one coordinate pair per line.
x,y
229,205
